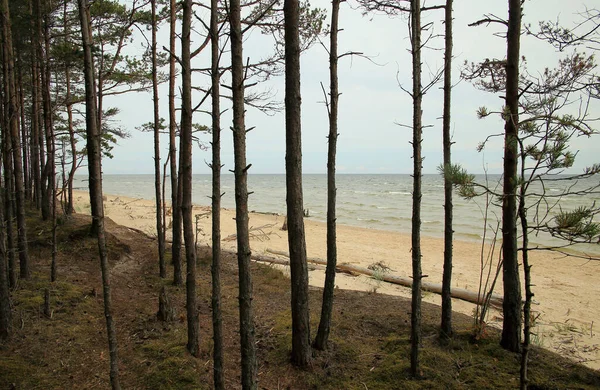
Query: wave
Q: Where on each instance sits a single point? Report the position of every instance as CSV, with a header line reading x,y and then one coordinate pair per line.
x,y
370,220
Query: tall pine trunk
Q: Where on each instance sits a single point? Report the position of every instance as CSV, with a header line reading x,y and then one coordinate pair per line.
x,y
217,320
446,326
69,207
193,343
247,337
8,186
95,184
35,113
48,116
175,206
327,306
39,16
511,325
23,127
524,378
301,349
5,262
17,161
159,220
417,95
5,314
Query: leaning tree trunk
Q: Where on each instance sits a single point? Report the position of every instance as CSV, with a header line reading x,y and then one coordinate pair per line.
x,y
417,94
175,207
248,352
301,350
193,344
327,306
13,114
511,325
217,319
95,183
446,326
159,221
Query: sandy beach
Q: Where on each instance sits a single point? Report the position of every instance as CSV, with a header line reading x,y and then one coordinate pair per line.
x,y
565,289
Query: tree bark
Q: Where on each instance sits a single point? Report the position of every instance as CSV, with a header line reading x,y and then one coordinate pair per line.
x,y
248,352
159,204
415,318
511,325
95,184
193,344
446,325
218,375
175,206
301,349
327,306
13,114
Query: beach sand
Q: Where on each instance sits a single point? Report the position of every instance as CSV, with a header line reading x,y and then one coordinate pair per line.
x,y
568,320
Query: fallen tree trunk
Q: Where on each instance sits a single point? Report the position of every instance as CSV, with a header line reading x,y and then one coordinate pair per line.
x,y
458,293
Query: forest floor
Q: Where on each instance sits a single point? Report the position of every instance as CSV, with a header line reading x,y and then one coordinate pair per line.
x,y
369,343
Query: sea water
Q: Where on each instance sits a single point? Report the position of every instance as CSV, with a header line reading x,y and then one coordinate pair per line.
x,y
374,201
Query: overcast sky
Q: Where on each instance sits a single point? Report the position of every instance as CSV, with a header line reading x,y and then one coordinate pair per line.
x,y
372,104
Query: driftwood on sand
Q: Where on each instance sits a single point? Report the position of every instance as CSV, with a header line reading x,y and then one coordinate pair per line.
x,y
458,293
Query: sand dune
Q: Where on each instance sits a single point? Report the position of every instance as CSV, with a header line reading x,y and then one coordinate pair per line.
x,y
568,320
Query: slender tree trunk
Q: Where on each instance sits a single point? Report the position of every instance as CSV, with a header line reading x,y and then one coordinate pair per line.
x,y
524,379
39,69
301,349
53,266
511,325
95,183
47,108
159,220
327,306
248,350
446,326
13,114
69,207
5,314
175,207
23,127
35,113
417,94
218,375
193,344
50,145
8,185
